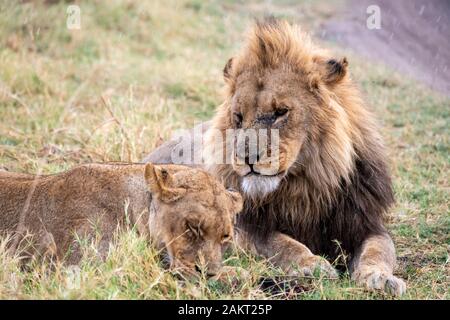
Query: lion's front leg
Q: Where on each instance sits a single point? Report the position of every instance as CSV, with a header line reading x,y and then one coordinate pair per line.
x,y
289,254
374,264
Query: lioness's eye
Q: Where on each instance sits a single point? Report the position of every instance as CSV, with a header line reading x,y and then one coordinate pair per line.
x,y
194,229
226,237
238,119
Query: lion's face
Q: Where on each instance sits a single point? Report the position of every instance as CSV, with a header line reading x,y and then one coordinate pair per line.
x,y
272,100
280,88
193,215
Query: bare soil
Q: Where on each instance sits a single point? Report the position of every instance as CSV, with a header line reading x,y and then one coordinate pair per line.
x,y
414,37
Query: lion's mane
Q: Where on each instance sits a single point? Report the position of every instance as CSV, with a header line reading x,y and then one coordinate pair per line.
x,y
340,187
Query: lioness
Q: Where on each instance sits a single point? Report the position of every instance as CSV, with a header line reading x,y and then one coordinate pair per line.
x,y
332,189
184,210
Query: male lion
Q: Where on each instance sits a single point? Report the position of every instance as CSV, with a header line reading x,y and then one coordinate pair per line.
x,y
332,187
184,210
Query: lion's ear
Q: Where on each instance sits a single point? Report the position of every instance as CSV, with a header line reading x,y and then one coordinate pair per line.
x,y
334,70
227,70
236,200
160,183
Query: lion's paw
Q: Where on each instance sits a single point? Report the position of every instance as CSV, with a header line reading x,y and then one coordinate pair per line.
x,y
309,266
376,279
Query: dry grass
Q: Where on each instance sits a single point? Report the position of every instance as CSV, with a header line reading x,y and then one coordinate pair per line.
x,y
134,73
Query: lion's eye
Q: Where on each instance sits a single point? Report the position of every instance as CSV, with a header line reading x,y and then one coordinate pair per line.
x,y
281,112
226,238
238,119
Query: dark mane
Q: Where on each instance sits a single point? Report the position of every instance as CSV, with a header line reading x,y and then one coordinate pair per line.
x,y
357,209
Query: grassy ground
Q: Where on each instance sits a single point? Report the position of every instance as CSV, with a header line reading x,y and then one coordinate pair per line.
x,y
134,73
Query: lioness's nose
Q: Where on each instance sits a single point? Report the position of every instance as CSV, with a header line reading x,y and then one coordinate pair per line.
x,y
210,271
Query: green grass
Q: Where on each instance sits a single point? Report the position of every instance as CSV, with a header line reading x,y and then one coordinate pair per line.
x,y
137,71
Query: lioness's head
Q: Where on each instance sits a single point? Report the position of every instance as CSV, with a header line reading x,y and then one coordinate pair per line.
x,y
192,214
281,81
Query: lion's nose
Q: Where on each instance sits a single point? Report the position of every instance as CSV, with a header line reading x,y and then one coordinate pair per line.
x,y
252,170
247,158
251,163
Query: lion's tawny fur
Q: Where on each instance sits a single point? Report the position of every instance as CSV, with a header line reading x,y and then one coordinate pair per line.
x,y
171,204
339,186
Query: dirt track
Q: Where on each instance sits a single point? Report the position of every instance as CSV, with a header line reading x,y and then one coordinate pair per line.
x,y
414,37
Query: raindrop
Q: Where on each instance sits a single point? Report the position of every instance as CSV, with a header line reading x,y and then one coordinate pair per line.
x,y
422,8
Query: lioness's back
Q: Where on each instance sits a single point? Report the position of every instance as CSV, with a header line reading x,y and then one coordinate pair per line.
x,y
14,189
58,206
38,197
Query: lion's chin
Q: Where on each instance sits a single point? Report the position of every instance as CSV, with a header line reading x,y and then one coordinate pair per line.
x,y
257,186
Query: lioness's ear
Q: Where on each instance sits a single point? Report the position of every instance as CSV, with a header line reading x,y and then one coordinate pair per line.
x,y
236,200
160,184
227,70
334,70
